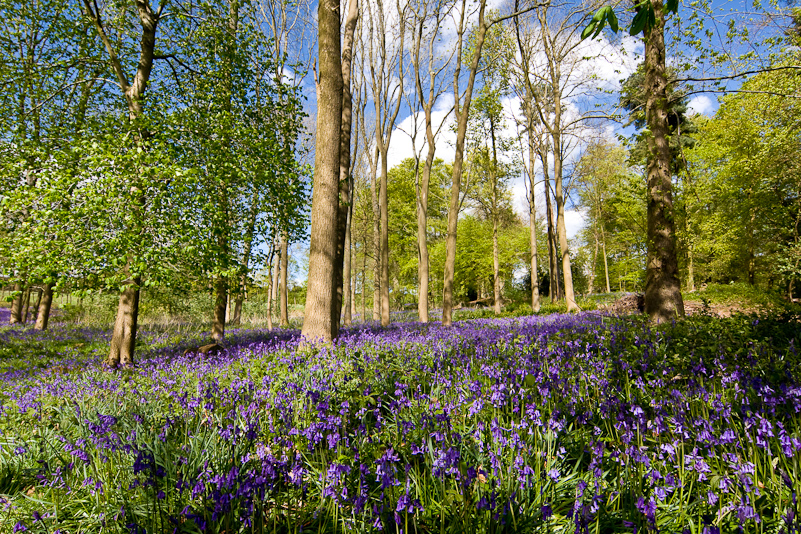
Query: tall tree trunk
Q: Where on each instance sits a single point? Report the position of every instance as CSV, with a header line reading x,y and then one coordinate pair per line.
x,y
535,281
591,284
376,249
38,302
383,206
250,231
496,264
43,316
221,289
458,160
26,301
347,283
284,290
564,249
344,163
423,263
606,261
553,269
275,287
663,301
364,284
318,317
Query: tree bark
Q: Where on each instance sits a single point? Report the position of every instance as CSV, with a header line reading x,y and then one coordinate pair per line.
x,y
496,264
458,161
663,301
318,317
606,261
347,283
220,307
382,78
26,301
344,162
123,338
43,316
16,304
38,302
553,274
423,265
564,250
383,206
376,242
284,290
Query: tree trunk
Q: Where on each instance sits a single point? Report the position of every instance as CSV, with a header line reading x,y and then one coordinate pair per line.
x,y
43,316
663,301
284,290
564,250
344,163
318,317
553,269
376,249
236,318
532,213
347,284
220,307
458,160
26,301
276,274
38,302
496,264
383,206
423,264
594,261
123,338
364,285
606,261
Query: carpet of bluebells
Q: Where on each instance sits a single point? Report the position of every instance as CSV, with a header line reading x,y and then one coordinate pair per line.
x,y
556,423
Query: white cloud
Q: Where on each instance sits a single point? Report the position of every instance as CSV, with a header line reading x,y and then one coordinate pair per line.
x,y
574,222
702,104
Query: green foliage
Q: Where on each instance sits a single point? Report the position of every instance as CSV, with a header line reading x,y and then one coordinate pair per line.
x,y
745,295
743,189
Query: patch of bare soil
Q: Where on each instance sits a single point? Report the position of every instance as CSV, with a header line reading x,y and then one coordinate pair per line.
x,y
626,305
635,303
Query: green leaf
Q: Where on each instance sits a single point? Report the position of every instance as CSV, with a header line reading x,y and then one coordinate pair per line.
x,y
600,27
612,20
588,30
638,24
672,6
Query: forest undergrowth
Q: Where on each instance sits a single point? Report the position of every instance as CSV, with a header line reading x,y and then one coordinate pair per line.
x,y
557,423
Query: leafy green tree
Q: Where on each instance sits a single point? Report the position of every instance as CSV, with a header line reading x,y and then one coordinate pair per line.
x,y
403,238
240,123
601,167
745,194
489,187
